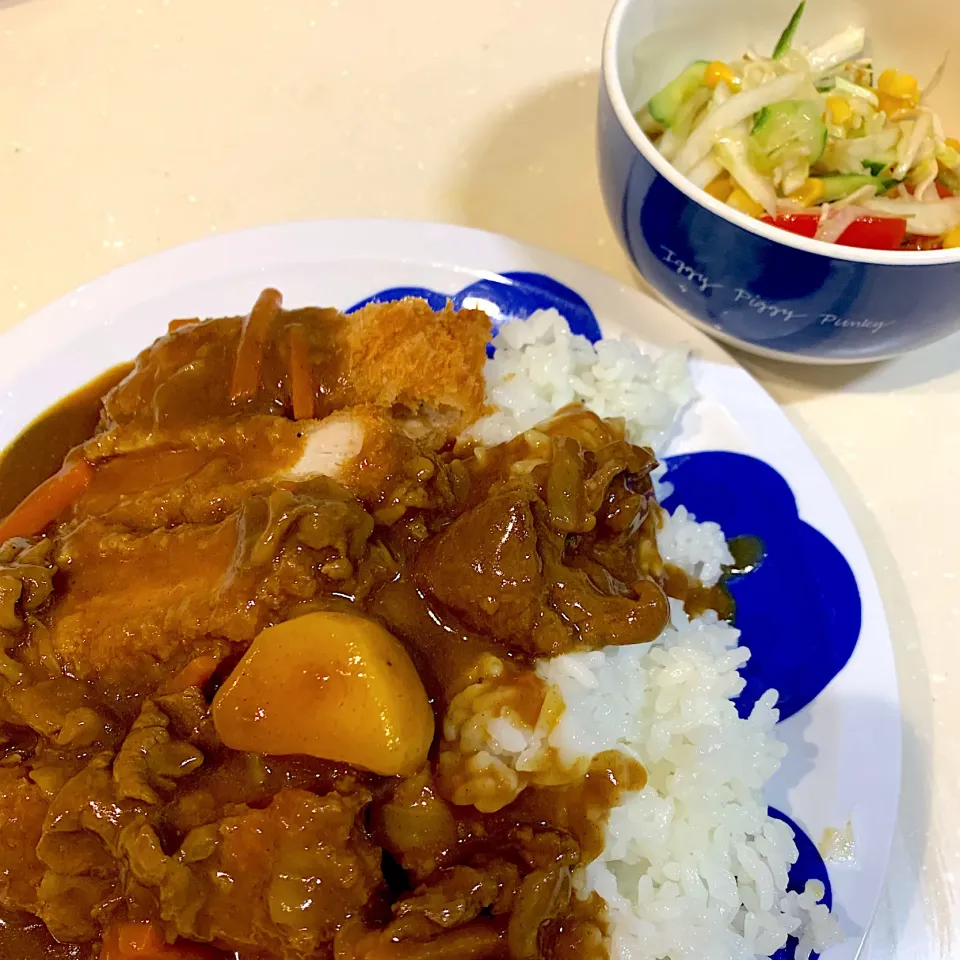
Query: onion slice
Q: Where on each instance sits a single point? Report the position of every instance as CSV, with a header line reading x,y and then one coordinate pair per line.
x,y
838,49
738,108
832,227
925,219
705,171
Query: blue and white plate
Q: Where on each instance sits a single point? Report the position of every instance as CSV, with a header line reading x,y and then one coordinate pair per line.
x,y
811,614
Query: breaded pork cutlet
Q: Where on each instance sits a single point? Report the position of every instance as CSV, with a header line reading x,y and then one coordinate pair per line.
x,y
423,367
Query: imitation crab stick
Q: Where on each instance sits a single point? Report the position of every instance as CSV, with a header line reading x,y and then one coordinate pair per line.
x,y
301,377
48,501
253,338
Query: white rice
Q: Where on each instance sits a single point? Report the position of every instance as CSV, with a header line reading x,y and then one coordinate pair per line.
x,y
699,549
693,868
540,366
693,865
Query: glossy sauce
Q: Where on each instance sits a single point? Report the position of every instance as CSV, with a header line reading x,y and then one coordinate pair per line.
x,y
563,522
38,451
23,936
748,553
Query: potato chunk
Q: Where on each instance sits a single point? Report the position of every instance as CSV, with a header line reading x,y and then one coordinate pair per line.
x,y
331,685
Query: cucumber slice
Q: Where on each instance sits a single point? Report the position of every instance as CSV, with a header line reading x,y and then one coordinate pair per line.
x,y
950,180
647,124
839,185
664,105
876,167
786,38
788,130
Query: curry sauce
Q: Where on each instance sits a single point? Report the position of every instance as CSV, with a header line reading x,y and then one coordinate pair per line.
x,y
38,451
211,515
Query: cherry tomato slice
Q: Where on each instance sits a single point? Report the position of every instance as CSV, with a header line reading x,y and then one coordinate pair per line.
x,y
874,233
869,233
802,224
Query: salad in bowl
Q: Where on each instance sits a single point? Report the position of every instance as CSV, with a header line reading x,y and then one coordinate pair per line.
x,y
816,141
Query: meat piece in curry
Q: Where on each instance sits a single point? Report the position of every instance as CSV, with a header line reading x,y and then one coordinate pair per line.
x,y
248,630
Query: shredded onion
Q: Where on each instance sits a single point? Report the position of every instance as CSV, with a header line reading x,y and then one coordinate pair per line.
x,y
705,171
909,147
925,219
855,90
850,154
936,78
668,144
938,132
843,46
785,206
925,176
736,109
794,177
688,116
831,228
731,151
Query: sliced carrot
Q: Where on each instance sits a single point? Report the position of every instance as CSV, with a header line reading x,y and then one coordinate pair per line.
x,y
110,945
195,674
253,338
175,325
139,939
302,386
142,940
48,501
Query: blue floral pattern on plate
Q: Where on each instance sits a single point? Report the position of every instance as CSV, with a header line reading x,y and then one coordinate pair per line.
x,y
801,569
809,866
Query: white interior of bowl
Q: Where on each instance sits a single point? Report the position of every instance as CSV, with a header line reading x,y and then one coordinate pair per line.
x,y
649,42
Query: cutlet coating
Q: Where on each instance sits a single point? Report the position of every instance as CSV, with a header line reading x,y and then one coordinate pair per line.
x,y
404,352
400,354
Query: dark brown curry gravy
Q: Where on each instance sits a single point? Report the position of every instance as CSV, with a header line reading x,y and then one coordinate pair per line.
x,y
590,530
39,449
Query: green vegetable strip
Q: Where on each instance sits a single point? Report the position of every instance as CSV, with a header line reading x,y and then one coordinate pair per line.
x,y
786,38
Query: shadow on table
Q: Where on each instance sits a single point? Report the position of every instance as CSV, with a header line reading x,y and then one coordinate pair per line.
x,y
802,758
907,883
532,174
928,366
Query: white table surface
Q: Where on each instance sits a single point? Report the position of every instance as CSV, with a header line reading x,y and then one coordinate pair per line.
x,y
128,126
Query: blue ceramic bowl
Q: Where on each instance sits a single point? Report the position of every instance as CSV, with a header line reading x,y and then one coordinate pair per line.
x,y
740,280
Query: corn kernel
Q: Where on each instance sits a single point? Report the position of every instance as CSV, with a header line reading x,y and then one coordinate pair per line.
x,y
718,72
953,143
951,239
741,201
840,110
810,193
892,105
720,187
900,85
